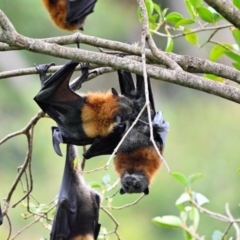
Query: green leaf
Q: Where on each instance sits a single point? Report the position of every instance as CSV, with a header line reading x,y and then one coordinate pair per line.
x,y
217,17
154,18
200,199
157,9
106,180
238,170
216,52
205,14
164,12
190,9
185,21
232,55
173,17
196,3
236,35
190,37
180,177
170,45
183,198
184,216
188,236
192,178
95,185
236,3
168,221
213,77
194,216
149,6
217,235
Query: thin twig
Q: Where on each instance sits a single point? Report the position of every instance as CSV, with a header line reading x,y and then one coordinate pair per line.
x,y
26,227
196,30
145,33
235,225
10,226
114,220
126,205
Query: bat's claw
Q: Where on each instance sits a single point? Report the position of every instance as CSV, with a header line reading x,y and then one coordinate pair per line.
x,y
56,140
85,73
78,38
42,71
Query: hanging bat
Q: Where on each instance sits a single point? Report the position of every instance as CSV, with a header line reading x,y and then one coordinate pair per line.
x,y
1,216
69,14
136,160
82,119
78,206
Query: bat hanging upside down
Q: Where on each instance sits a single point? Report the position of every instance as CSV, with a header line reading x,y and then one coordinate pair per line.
x,y
69,14
92,118
78,205
136,160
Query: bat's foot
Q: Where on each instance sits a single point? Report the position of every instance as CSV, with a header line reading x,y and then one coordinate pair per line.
x,y
85,73
42,71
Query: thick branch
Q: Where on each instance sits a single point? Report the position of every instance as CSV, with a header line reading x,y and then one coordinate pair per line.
x,y
187,63
227,10
116,62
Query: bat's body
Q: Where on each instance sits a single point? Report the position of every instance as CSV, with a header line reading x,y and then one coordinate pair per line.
x,y
81,119
69,14
136,160
78,206
1,216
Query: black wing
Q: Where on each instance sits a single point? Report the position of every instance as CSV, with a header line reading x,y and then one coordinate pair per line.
x,y
106,145
78,10
141,90
63,105
78,206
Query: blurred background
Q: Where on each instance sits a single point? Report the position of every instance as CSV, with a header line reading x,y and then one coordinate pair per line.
x,y
203,136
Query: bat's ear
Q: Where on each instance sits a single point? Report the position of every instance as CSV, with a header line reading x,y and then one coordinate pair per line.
x,y
122,191
146,191
118,119
114,92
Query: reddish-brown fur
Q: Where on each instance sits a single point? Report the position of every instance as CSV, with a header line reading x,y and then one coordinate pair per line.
x,y
58,13
144,159
98,114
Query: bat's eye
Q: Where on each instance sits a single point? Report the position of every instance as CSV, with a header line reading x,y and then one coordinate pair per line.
x,y
128,182
137,186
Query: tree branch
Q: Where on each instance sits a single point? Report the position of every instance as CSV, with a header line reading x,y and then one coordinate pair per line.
x,y
227,10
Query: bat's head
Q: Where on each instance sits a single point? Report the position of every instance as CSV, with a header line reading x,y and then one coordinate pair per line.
x,y
136,182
